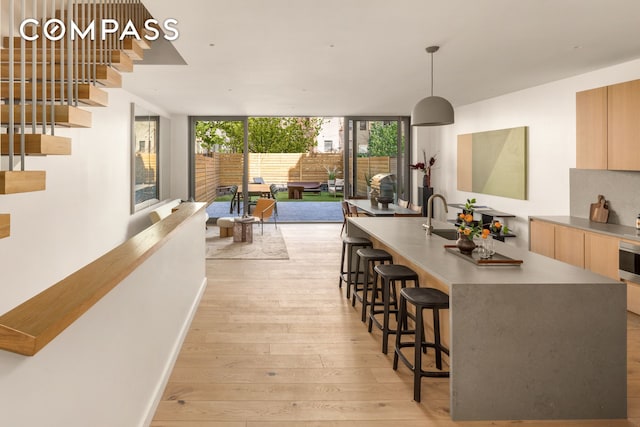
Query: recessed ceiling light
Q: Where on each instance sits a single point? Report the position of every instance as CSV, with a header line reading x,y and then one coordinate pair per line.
x,y
332,45
212,44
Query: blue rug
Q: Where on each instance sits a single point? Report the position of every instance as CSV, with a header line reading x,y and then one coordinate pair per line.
x,y
290,211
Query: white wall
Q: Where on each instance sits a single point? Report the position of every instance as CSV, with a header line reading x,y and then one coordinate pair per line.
x,y
85,210
107,368
549,112
180,156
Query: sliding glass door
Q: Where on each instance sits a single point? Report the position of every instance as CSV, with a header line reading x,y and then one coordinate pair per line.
x,y
376,145
217,141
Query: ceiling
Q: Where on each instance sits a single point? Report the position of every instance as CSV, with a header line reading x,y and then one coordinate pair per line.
x,y
367,57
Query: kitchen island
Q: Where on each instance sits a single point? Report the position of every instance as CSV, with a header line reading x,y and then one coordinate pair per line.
x,y
540,340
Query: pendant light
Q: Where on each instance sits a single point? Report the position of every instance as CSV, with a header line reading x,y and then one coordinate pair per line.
x,y
432,110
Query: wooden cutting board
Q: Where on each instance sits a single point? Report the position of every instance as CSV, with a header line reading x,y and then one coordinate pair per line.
x,y
599,211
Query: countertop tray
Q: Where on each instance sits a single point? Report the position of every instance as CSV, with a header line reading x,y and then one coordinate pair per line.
x,y
496,259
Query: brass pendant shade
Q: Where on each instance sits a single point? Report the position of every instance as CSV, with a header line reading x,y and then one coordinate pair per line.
x,y
432,110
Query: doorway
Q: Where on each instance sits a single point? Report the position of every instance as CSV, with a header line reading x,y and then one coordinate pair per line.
x,y
376,145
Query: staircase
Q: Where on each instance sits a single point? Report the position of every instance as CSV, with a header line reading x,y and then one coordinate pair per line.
x,y
45,84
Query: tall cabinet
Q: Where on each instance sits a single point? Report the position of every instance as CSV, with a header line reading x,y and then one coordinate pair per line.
x,y
608,127
623,117
591,129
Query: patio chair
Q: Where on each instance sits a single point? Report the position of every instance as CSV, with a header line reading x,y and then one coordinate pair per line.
x,y
348,210
336,187
274,196
234,191
263,211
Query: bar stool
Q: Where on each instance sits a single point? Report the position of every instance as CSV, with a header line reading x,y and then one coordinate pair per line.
x,y
389,274
422,298
369,257
348,244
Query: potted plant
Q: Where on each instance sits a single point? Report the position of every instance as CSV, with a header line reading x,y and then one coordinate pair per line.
x,y
425,168
331,175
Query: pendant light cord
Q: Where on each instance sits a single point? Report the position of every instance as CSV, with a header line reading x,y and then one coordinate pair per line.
x,y
431,53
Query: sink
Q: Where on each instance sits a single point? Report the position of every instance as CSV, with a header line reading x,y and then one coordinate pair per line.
x,y
447,233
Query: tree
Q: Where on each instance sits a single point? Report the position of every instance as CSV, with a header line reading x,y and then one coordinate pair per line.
x,y
383,139
266,134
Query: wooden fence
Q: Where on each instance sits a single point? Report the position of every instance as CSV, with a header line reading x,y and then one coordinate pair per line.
x,y
225,169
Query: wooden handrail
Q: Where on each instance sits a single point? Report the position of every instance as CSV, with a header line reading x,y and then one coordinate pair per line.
x,y
33,324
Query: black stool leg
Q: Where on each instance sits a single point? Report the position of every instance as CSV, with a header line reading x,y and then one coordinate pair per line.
x,y
372,305
350,248
386,294
355,283
403,324
417,363
344,245
436,332
365,293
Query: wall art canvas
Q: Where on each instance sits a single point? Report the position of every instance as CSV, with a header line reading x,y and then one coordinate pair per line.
x,y
494,162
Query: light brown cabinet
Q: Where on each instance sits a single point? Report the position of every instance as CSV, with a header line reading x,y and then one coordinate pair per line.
x,y
555,241
633,297
594,251
608,127
623,138
601,254
569,245
591,129
541,238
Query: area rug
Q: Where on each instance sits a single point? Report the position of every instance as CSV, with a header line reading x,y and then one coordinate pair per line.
x,y
271,245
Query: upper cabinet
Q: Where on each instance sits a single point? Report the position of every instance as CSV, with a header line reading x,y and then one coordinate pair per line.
x,y
624,126
591,129
608,127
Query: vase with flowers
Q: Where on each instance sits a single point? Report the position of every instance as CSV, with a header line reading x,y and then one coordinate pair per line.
x,y
425,168
470,229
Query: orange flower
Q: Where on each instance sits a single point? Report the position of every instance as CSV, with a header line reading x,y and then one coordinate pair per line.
x,y
497,224
468,218
485,233
466,231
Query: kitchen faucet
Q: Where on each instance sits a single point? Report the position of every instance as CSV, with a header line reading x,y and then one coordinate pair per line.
x,y
428,226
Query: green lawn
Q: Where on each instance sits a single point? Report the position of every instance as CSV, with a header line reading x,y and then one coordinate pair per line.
x,y
283,196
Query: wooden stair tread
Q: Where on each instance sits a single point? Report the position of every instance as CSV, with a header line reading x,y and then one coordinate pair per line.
x,y
88,94
131,46
65,115
120,60
5,225
12,182
38,144
105,75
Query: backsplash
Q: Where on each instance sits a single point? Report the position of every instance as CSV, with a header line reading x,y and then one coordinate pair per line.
x,y
621,189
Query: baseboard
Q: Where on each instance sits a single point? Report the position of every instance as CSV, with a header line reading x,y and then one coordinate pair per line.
x,y
164,378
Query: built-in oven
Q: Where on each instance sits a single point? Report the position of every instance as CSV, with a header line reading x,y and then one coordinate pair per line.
x,y
629,261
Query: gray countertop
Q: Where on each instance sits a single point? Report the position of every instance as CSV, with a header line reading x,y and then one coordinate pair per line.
x,y
614,230
406,236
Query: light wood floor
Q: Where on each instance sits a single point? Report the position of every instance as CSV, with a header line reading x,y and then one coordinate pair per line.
x,y
275,343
